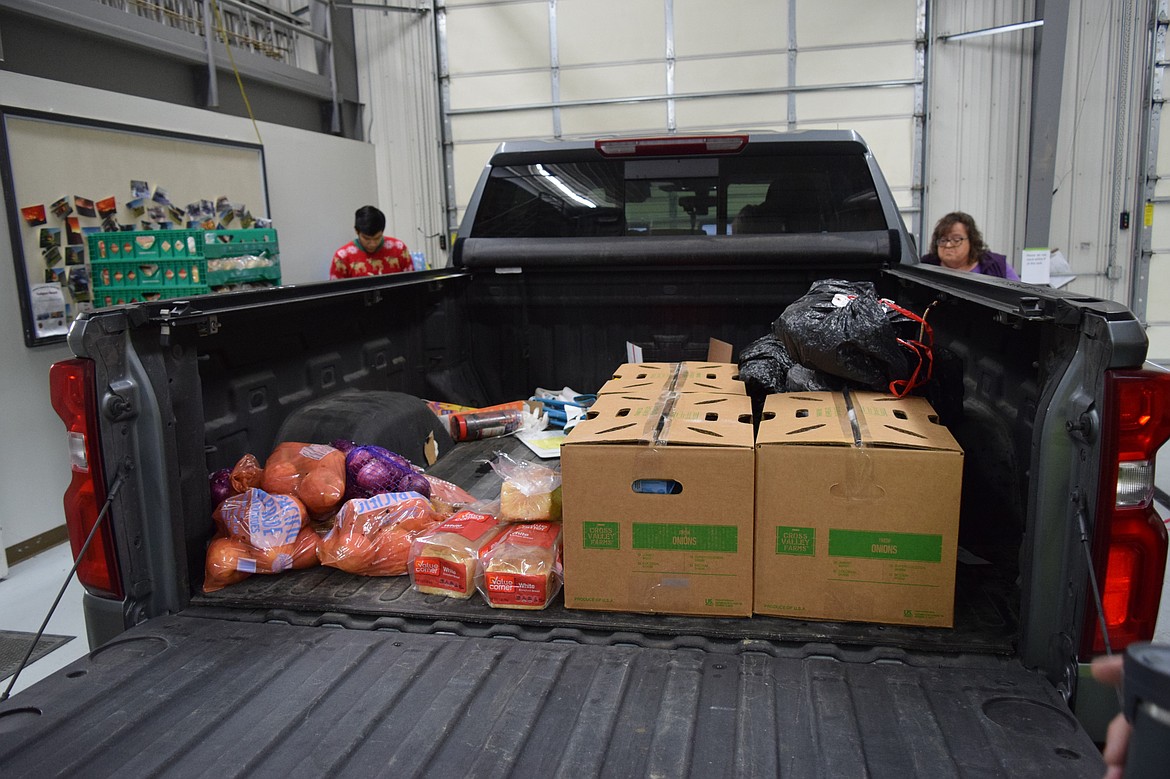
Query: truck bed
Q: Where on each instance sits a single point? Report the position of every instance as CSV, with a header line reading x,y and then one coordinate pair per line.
x,y
181,696
986,618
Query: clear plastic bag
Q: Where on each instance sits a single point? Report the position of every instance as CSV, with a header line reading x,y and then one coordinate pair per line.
x,y
258,533
448,498
314,473
530,492
372,536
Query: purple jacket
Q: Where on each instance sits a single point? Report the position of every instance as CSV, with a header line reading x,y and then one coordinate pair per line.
x,y
990,264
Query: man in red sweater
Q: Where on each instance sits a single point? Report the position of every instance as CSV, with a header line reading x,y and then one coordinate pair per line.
x,y
373,252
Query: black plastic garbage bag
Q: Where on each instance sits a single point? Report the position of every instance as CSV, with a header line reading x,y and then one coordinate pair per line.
x,y
804,379
764,366
843,329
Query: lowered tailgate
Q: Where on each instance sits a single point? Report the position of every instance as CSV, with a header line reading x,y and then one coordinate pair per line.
x,y
186,695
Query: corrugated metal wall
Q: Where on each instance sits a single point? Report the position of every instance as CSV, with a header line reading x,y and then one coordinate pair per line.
x,y
1097,153
397,75
977,129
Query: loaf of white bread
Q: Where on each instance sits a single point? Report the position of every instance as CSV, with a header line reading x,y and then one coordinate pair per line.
x,y
446,560
524,503
522,566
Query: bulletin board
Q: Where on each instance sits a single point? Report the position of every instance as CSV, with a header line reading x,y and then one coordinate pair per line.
x,y
67,177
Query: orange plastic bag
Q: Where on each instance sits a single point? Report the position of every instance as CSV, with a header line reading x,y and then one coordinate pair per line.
x,y
315,473
230,560
260,519
258,533
447,498
372,536
246,474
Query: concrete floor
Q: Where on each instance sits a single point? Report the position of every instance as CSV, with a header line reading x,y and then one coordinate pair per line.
x,y
25,597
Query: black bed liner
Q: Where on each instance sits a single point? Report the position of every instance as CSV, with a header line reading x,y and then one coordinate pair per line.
x,y
987,615
326,594
180,696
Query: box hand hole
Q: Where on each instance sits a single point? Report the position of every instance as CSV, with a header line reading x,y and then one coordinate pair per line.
x,y
657,486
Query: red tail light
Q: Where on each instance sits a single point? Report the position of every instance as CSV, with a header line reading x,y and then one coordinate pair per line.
x,y
671,146
74,398
1129,549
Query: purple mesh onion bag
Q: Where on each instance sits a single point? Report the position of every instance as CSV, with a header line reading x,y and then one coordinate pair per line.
x,y
371,470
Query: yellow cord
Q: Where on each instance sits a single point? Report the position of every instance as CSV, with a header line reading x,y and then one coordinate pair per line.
x,y
232,60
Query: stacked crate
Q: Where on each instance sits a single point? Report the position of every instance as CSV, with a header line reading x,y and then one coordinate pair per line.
x,y
143,266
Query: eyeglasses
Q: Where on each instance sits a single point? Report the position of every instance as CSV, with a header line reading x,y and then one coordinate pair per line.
x,y
947,243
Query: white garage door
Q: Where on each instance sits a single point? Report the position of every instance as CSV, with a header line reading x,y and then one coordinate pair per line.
x,y
518,69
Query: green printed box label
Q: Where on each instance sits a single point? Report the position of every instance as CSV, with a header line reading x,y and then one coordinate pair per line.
x,y
602,535
921,547
686,538
796,540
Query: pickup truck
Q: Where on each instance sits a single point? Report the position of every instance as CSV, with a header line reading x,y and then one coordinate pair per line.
x,y
568,251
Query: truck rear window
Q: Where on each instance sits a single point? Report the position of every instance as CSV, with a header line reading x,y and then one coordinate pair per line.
x,y
687,196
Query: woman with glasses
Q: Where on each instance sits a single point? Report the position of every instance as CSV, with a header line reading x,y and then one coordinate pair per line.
x,y
957,244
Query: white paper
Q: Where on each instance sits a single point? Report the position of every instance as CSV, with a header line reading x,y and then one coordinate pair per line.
x,y
543,443
1060,274
1035,266
633,352
48,307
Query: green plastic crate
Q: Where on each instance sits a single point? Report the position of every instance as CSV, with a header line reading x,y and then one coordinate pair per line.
x,y
103,298
235,243
218,278
149,273
145,244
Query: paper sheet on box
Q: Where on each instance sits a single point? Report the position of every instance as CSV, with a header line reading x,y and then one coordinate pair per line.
x,y
543,443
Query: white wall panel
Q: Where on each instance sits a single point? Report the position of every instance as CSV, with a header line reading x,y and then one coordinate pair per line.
x,y
1159,350
492,128
633,119
852,22
499,55
1158,307
469,162
1160,288
1160,231
701,28
507,36
593,31
856,104
872,63
762,71
497,89
762,112
603,82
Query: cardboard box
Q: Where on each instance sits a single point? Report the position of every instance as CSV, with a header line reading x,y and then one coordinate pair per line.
x,y
658,505
658,377
857,509
643,379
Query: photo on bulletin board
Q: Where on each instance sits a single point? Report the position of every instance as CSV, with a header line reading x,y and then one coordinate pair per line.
x,y
54,170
